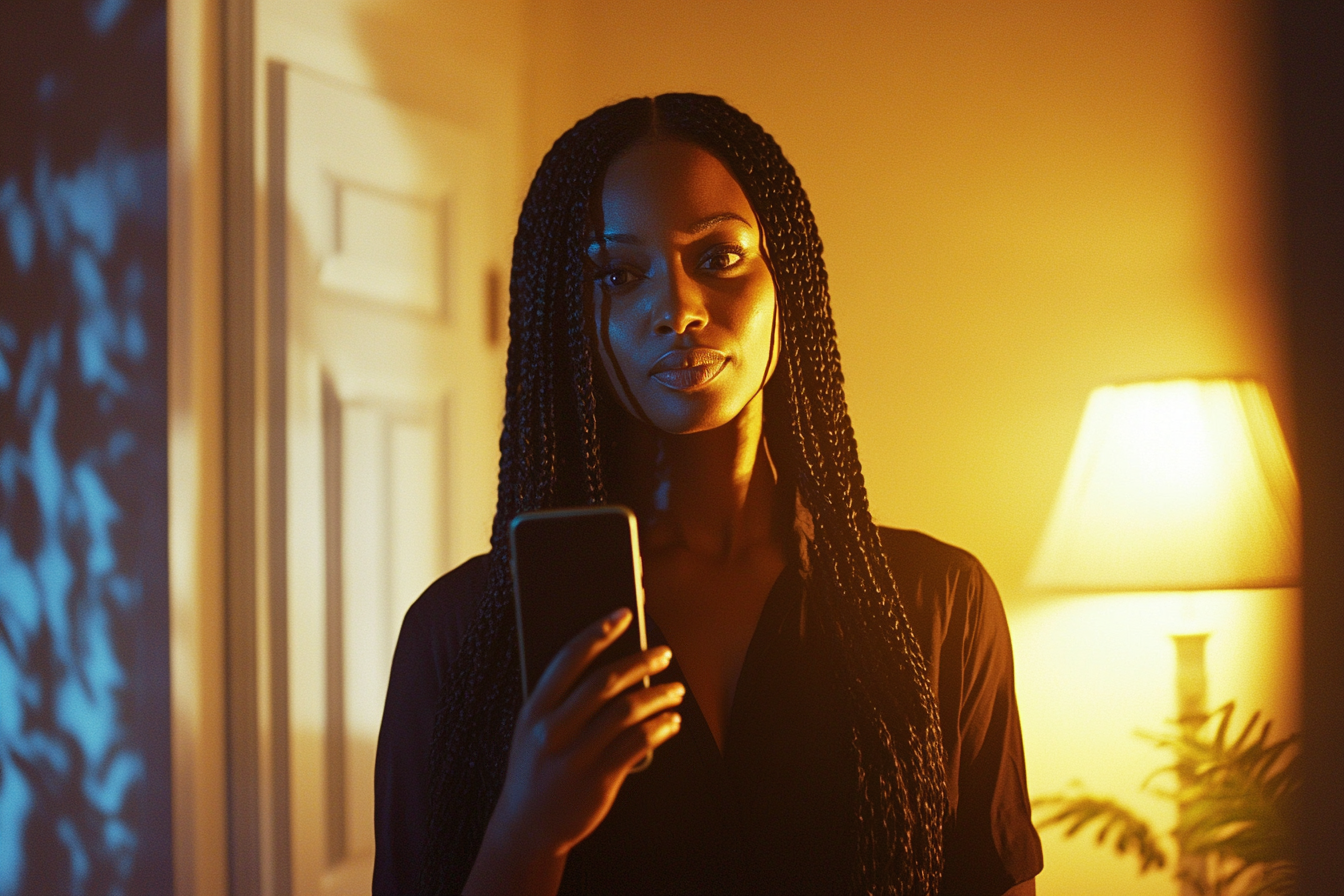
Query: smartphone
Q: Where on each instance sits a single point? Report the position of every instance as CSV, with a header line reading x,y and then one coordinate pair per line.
x,y
571,567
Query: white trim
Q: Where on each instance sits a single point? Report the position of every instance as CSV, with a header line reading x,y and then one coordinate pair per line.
x,y
195,454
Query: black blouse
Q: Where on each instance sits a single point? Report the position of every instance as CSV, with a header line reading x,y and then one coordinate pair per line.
x,y
772,813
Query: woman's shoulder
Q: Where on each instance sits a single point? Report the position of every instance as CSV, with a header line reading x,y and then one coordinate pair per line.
x,y
431,633
945,590
435,624
453,592
916,550
919,561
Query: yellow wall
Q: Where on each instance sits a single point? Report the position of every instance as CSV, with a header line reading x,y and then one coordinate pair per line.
x,y
1020,202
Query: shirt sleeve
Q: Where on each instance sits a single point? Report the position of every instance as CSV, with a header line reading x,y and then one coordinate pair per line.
x,y
430,636
989,843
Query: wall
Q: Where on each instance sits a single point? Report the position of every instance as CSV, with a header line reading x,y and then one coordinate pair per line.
x,y
84,704
1020,202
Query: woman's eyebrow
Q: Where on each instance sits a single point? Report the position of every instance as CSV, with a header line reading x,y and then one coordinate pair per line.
x,y
627,238
704,224
695,229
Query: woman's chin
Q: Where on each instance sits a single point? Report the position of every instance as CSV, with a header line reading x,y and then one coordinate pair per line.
x,y
686,415
686,424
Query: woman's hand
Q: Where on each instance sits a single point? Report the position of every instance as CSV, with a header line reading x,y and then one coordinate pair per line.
x,y
572,747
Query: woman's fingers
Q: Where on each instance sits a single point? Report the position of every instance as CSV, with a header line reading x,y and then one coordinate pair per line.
x,y
603,684
569,664
630,710
633,744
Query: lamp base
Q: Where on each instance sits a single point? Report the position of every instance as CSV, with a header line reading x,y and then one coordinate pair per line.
x,y
1192,683
1192,689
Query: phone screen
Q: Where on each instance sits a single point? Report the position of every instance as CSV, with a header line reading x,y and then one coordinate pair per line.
x,y
571,567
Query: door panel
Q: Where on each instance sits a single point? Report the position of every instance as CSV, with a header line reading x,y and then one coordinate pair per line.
x,y
393,402
386,247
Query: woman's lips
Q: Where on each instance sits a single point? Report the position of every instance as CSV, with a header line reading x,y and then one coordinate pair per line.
x,y
689,368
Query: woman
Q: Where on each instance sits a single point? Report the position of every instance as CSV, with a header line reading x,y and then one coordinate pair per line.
x,y
839,714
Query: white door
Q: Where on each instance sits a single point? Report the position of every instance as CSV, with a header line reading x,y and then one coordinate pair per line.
x,y
393,404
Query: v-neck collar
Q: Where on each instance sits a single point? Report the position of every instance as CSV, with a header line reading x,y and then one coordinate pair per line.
x,y
780,604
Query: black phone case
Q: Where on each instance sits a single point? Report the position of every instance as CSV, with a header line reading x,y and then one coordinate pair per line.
x,y
571,567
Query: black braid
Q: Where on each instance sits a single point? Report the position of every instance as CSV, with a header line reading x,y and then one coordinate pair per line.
x,y
551,455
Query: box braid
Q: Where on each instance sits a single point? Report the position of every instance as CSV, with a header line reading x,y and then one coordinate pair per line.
x,y
551,455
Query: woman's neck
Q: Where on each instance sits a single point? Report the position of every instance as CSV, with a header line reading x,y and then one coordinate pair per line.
x,y
712,493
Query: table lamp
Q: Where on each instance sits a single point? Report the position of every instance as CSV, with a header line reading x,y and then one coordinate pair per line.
x,y
1179,485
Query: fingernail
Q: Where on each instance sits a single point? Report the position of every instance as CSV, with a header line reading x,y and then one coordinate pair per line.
x,y
679,690
618,615
664,656
675,720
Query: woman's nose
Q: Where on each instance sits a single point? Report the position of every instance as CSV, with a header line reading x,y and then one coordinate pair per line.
x,y
681,307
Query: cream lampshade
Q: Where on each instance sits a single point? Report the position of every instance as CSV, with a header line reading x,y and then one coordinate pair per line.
x,y
1176,485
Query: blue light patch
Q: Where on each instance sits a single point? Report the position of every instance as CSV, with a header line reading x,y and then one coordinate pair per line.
x,y
64,739
19,223
83,687
103,14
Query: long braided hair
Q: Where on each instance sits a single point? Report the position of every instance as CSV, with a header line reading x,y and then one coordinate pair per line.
x,y
551,455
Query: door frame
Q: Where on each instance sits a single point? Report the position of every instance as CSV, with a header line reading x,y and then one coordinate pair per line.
x,y
230,792
255,609
195,449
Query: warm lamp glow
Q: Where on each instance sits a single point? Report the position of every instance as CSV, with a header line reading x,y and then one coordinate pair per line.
x,y
1178,485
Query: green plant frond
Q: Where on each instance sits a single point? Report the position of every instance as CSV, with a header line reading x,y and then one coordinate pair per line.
x,y
1172,793
1284,782
1253,758
1129,832
1233,827
1273,769
1225,711
1198,880
1108,824
1248,879
1235,787
1240,742
1245,873
1207,841
1276,879
1256,849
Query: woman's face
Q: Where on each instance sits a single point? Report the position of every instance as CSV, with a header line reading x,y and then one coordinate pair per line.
x,y
683,302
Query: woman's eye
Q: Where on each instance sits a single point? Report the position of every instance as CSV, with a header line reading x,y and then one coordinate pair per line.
x,y
614,279
723,259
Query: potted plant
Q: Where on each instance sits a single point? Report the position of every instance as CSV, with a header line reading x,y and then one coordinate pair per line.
x,y
1234,808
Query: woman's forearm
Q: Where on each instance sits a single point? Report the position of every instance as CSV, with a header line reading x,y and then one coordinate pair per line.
x,y
502,867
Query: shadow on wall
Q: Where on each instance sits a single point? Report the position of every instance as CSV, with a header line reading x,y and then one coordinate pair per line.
x,y
84,752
